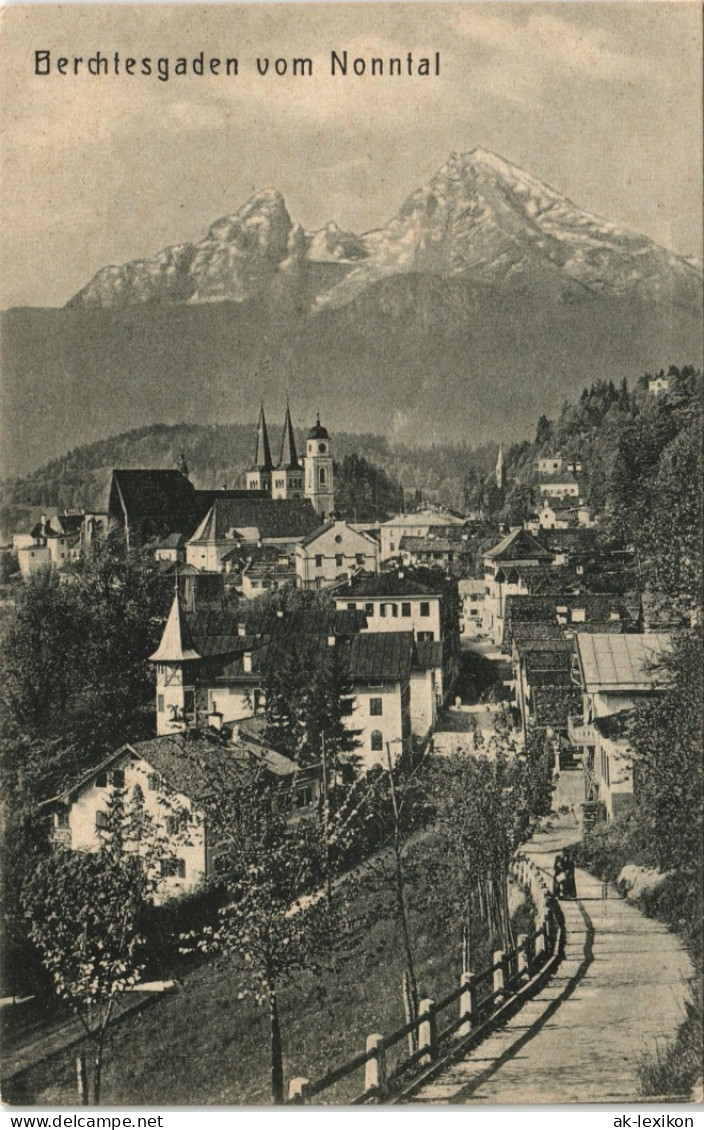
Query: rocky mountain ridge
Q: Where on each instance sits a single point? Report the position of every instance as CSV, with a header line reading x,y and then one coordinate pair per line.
x,y
479,217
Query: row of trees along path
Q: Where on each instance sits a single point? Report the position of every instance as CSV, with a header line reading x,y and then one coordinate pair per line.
x,y
618,992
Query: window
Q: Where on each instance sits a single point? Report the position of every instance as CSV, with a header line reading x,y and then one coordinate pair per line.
x,y
118,778
425,608
322,476
101,820
382,610
338,560
153,782
369,609
425,636
160,703
189,702
174,824
303,797
406,608
338,538
322,448
175,867
351,607
375,706
101,781
360,558
318,560
62,818
377,741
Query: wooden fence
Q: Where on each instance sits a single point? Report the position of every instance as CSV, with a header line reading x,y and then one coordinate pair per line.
x,y
477,1002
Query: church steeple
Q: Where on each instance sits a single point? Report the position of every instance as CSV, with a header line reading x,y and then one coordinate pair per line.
x,y
287,479
500,468
289,457
259,474
262,456
174,658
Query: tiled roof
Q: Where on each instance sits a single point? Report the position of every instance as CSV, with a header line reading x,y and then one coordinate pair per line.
x,y
426,518
432,545
553,705
384,584
171,541
519,545
428,654
549,668
383,655
625,662
557,477
155,492
271,517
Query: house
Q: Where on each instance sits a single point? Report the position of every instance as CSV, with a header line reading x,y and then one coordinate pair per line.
x,y
249,521
268,568
47,538
614,673
558,484
444,547
333,553
471,594
518,550
571,613
548,464
171,548
218,664
173,776
658,385
428,607
417,524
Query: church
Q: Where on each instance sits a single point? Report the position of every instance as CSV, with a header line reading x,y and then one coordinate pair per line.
x,y
310,477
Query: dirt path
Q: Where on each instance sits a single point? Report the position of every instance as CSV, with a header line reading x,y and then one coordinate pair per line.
x,y
619,991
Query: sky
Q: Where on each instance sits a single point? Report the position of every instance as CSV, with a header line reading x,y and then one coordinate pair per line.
x,y
603,101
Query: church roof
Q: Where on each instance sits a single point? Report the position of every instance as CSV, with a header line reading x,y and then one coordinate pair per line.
x,y
154,492
271,517
262,455
318,431
176,644
288,459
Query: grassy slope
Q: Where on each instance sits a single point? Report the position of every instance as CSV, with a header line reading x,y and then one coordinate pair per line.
x,y
202,1045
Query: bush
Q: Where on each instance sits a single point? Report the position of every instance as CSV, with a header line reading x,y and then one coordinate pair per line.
x,y
161,927
675,1069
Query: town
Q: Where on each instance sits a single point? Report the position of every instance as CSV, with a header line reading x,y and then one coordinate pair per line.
x,y
200,679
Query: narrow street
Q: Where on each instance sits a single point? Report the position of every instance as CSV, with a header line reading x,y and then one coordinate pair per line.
x,y
619,991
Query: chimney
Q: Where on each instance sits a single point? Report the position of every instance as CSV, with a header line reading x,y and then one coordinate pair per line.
x,y
241,629
280,613
247,663
331,641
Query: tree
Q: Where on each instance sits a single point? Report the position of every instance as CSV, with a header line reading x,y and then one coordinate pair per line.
x,y
487,804
275,920
83,908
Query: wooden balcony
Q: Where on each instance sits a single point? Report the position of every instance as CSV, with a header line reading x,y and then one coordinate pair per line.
x,y
579,732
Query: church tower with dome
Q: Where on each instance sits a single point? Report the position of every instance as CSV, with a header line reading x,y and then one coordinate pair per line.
x,y
319,486
310,477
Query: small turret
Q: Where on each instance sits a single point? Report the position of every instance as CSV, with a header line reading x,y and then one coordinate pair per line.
x,y
319,486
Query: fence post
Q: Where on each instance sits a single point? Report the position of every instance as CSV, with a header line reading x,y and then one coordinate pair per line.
x,y
427,1030
540,942
375,1067
298,1090
499,974
522,954
468,1003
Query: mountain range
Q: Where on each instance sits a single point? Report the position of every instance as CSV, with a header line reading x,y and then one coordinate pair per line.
x,y
484,301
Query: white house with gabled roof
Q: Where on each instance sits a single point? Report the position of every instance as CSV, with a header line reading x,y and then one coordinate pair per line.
x,y
333,553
